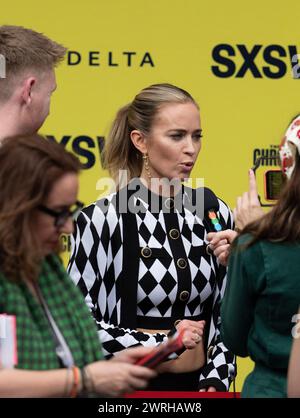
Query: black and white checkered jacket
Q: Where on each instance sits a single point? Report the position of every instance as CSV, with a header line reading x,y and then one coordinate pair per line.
x,y
147,270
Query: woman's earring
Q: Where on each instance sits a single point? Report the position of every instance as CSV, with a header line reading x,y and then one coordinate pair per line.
x,y
146,164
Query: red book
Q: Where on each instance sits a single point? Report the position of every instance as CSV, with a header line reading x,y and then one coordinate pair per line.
x,y
162,351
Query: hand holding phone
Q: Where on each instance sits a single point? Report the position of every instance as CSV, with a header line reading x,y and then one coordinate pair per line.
x,y
162,351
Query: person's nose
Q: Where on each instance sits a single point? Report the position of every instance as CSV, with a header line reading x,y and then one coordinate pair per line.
x,y
68,226
189,146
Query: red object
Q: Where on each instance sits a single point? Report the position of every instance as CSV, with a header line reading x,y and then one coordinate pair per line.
x,y
161,352
212,215
149,394
74,390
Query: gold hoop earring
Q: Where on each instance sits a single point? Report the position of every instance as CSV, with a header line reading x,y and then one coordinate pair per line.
x,y
146,164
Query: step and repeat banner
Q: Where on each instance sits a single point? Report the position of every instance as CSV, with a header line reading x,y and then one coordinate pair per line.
x,y
238,60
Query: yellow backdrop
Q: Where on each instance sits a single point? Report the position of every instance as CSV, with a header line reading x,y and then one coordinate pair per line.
x,y
235,58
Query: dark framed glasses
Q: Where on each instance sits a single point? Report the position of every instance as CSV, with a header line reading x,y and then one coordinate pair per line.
x,y
62,216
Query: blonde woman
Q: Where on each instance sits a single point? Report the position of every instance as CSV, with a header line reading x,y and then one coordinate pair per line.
x,y
139,256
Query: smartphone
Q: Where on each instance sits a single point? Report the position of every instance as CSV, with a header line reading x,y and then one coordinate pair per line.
x,y
274,181
162,351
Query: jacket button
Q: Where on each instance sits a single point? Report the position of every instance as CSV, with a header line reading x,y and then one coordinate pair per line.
x,y
181,263
146,252
174,233
209,351
169,203
209,251
184,295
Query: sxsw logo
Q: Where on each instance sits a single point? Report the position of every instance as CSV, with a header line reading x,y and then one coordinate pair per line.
x,y
84,146
278,61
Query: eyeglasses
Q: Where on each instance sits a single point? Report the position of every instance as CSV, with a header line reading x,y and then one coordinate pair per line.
x,y
62,216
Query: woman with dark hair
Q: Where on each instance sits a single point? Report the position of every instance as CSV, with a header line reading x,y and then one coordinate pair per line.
x,y
139,256
263,291
58,350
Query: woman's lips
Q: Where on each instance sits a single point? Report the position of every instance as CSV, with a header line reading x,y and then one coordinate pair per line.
x,y
187,167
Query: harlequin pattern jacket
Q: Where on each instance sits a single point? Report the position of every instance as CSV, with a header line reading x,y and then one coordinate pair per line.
x,y
148,269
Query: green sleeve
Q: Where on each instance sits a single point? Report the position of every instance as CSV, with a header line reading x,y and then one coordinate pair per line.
x,y
246,278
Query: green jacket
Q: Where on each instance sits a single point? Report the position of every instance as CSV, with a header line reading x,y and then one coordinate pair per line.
x,y
261,299
35,342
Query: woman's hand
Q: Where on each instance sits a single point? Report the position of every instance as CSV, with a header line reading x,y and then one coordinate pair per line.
x,y
132,355
220,243
114,378
192,332
248,207
194,357
209,389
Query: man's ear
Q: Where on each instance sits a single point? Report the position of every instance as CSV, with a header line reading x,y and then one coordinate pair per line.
x,y
139,141
26,92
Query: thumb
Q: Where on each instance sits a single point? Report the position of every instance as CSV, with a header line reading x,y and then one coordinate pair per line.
x,y
210,236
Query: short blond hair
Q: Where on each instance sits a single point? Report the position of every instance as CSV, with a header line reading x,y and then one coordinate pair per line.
x,y
24,49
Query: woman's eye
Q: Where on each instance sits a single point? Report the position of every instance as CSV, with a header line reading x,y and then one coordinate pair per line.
x,y
181,135
177,136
